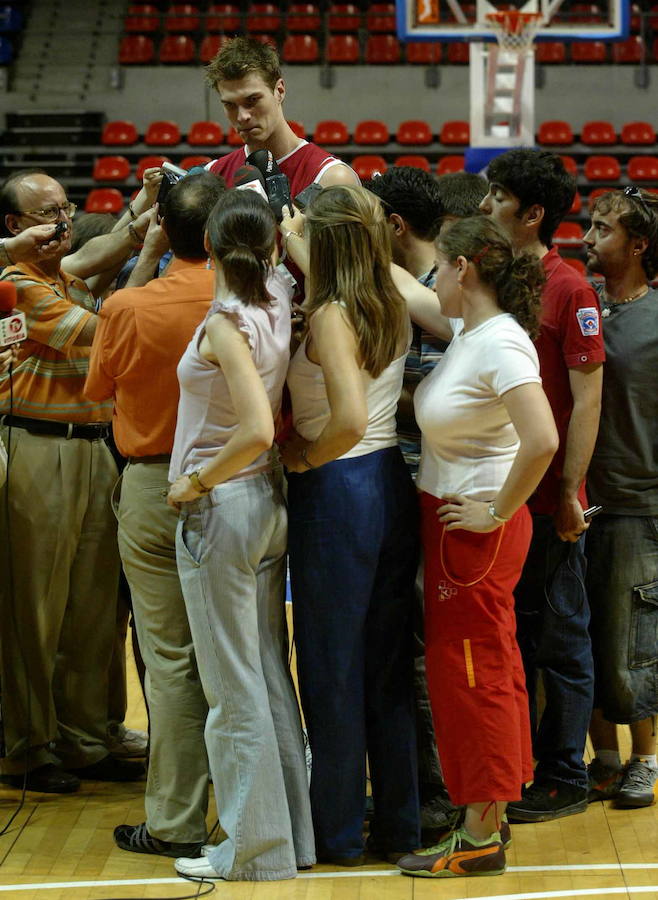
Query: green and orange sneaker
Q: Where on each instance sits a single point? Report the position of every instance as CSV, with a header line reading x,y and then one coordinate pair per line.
x,y
458,856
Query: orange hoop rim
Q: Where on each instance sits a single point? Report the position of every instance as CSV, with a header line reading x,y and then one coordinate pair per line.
x,y
513,21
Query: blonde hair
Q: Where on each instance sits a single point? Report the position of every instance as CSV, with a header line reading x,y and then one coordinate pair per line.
x,y
350,260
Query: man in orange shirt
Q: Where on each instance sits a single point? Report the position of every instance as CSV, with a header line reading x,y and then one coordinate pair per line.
x,y
58,559
142,335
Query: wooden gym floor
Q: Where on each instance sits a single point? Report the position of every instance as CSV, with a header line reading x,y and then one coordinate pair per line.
x,y
61,848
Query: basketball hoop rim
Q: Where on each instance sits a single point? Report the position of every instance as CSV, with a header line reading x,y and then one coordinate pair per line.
x,y
514,30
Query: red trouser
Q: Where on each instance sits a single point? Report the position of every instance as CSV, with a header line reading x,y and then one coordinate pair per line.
x,y
474,670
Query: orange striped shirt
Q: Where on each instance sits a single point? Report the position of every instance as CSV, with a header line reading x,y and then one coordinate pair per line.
x,y
49,375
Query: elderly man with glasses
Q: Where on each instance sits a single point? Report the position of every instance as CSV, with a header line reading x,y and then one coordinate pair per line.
x,y
58,551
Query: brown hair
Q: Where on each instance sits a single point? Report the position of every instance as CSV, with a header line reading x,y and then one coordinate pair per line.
x,y
350,262
240,56
242,233
517,280
638,214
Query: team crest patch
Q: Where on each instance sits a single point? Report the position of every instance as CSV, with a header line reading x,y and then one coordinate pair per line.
x,y
588,320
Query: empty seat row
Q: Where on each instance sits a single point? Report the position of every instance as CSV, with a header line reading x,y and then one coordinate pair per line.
x,y
595,133
631,50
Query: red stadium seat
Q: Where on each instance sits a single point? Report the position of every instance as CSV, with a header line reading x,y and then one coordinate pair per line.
x,y
643,168
455,132
331,131
344,17
136,49
576,206
298,128
111,168
211,45
635,133
416,162
162,134
588,52
632,50
602,168
270,39
414,132
233,139
263,18
223,18
149,162
555,132
382,48
449,164
205,134
301,48
568,234
459,53
119,133
303,17
104,200
371,131
423,53
597,192
189,162
548,52
342,48
381,18
366,166
570,164
596,134
576,264
142,19
182,17
177,48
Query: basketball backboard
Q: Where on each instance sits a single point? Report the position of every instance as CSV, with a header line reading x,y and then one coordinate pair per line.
x,y
465,20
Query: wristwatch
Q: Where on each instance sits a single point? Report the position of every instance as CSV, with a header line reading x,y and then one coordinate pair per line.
x,y
197,484
494,515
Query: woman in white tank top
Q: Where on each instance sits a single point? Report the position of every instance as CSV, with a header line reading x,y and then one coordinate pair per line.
x,y
353,530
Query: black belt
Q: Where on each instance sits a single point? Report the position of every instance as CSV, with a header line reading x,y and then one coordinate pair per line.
x,y
159,458
97,431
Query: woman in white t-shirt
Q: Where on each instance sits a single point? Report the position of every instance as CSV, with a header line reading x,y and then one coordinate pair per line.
x,y
353,539
488,436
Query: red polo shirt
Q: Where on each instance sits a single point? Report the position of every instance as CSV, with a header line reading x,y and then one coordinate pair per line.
x,y
570,336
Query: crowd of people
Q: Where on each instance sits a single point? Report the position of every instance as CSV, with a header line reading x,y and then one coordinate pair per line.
x,y
402,395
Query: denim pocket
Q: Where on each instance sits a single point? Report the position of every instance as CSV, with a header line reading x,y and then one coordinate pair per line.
x,y
643,648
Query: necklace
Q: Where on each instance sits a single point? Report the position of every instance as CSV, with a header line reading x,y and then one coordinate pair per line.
x,y
611,305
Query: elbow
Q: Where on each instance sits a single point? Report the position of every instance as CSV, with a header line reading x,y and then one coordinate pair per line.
x,y
548,446
354,428
262,438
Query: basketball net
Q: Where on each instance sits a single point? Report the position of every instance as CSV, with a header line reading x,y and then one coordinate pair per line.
x,y
515,31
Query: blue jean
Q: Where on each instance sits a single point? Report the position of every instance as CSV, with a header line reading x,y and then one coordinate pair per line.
x,y
230,547
553,615
353,557
622,581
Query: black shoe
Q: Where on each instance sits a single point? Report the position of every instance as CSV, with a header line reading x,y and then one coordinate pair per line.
x,y
136,839
547,800
48,779
110,769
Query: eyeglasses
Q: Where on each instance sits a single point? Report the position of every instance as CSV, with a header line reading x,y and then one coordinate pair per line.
x,y
50,213
635,194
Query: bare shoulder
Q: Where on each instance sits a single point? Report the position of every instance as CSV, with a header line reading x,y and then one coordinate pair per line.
x,y
339,174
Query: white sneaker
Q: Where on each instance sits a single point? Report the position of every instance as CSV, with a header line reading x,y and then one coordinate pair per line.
x,y
207,849
127,743
195,868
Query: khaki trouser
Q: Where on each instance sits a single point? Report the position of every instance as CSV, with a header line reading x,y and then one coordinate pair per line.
x,y
177,787
58,617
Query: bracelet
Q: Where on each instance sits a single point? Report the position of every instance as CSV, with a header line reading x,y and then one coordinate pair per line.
x,y
494,515
133,214
302,452
197,484
132,231
4,253
289,234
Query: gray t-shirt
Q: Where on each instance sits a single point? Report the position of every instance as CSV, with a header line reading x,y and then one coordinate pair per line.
x,y
623,474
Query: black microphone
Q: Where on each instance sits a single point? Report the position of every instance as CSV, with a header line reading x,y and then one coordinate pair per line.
x,y
276,183
13,329
249,178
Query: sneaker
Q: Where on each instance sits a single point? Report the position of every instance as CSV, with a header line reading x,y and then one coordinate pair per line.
x,y
603,781
547,800
437,813
127,743
197,867
505,831
637,786
136,839
459,855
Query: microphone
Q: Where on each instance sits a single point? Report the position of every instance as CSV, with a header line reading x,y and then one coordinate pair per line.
x,y
276,183
248,178
13,329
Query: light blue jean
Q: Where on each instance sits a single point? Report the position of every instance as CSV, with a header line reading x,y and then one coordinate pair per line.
x,y
230,547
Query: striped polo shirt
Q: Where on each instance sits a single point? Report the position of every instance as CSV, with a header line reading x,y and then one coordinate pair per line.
x,y
49,375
